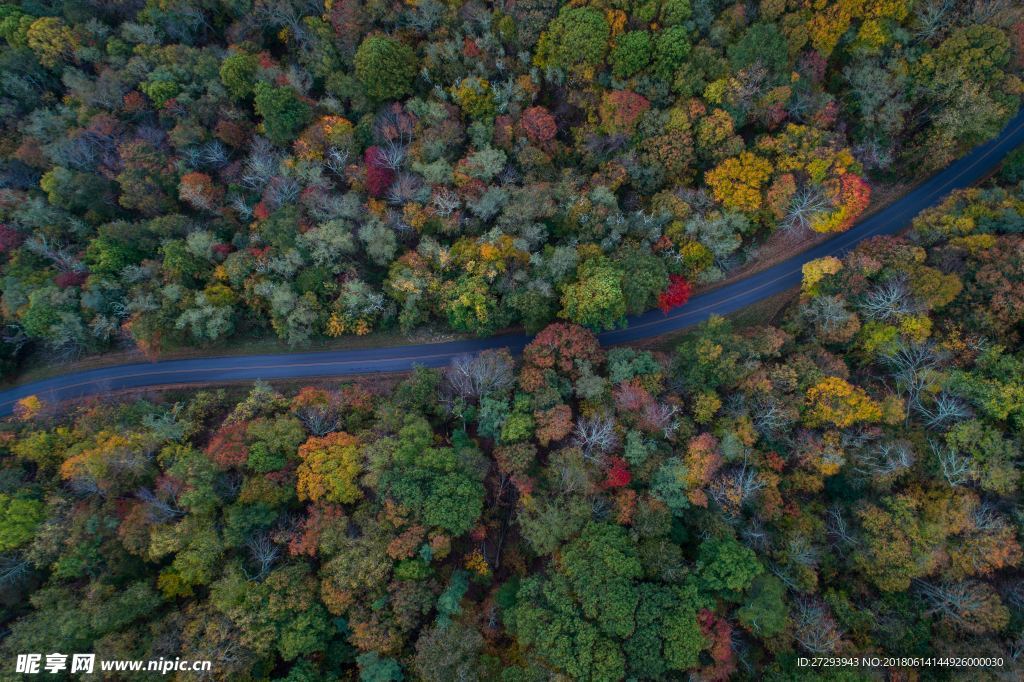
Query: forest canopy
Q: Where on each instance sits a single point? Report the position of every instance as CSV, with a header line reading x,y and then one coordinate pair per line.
x,y
181,174
843,481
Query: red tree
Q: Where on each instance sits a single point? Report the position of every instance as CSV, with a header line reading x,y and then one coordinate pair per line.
x,y
538,124
378,176
10,239
719,633
618,473
558,346
227,447
677,293
70,278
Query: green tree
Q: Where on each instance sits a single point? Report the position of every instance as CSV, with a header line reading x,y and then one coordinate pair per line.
x,y
238,74
284,114
602,567
596,299
761,43
631,54
440,484
19,517
725,567
386,67
764,613
578,36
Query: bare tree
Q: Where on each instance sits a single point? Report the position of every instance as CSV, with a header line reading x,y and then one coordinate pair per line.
x,y
159,509
836,526
932,18
956,469
735,487
889,300
1015,594
943,409
281,191
57,253
987,519
886,459
263,553
771,417
406,187
1002,13
261,164
336,161
390,154
662,416
800,551
965,603
828,312
445,201
914,367
290,15
13,569
319,419
755,535
816,630
474,376
595,435
808,202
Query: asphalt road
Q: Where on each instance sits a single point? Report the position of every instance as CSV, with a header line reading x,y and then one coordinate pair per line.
x,y
721,301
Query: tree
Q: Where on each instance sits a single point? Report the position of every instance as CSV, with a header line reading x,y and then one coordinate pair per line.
x,y
577,37
560,347
449,652
836,401
596,299
51,40
737,182
726,567
631,54
329,469
546,619
538,125
19,517
284,114
601,566
765,614
386,67
667,635
671,47
676,295
273,442
899,545
238,74
199,190
278,614
761,44
432,482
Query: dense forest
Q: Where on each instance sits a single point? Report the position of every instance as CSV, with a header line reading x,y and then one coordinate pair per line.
x,y
845,482
179,173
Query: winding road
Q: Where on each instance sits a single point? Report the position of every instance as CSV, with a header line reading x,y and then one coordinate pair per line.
x,y
721,301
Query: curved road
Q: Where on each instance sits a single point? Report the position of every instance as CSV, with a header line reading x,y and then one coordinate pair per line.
x,y
723,300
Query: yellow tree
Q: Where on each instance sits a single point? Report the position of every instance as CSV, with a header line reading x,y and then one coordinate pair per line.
x,y
329,469
737,182
28,408
836,401
51,40
816,270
